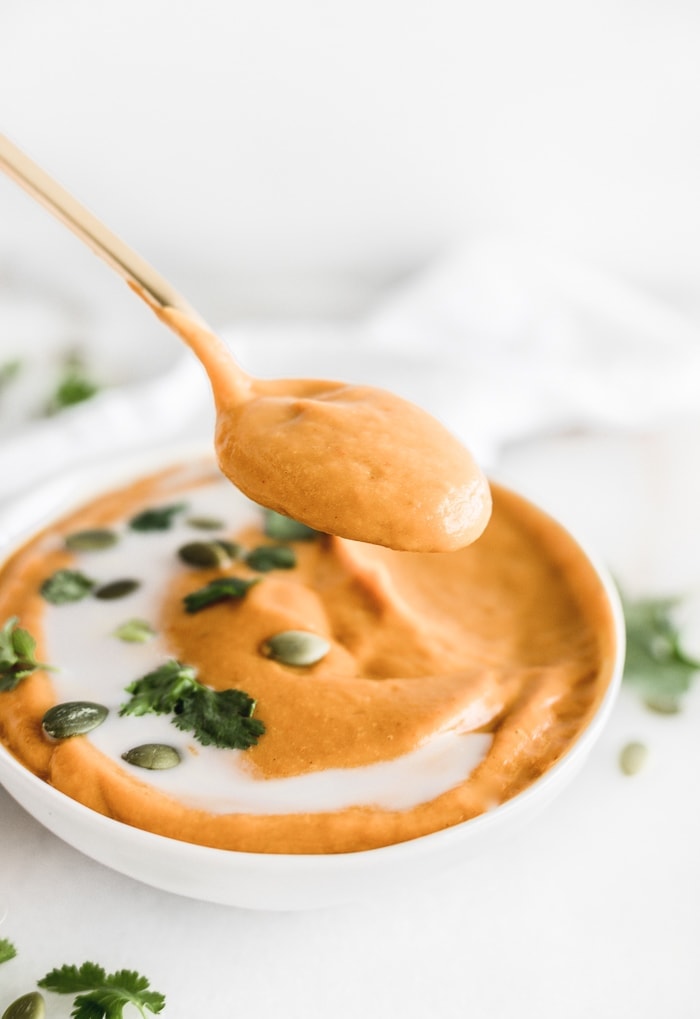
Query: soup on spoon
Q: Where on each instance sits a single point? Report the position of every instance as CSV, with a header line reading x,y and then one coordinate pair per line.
x,y
350,460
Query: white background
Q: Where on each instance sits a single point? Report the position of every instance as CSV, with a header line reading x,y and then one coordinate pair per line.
x,y
299,153
290,158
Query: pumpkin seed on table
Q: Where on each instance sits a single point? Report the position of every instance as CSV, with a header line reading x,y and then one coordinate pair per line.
x,y
633,757
117,589
207,554
295,647
663,704
153,756
91,540
73,718
29,1006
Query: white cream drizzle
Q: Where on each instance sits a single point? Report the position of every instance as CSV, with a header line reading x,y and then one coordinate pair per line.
x,y
94,665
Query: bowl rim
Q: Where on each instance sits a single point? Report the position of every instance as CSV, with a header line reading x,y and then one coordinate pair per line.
x,y
59,495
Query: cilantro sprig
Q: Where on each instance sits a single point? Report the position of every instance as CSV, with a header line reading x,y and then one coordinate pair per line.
x,y
17,659
7,950
221,718
656,662
101,995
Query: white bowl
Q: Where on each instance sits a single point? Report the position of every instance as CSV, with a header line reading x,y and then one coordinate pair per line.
x,y
259,880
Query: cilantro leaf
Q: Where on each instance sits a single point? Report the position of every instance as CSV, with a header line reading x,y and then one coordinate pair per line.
x,y
656,662
66,586
221,589
159,518
16,655
159,692
221,718
103,995
7,950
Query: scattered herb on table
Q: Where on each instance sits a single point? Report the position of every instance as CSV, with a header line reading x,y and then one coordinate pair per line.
x,y
160,518
7,950
66,586
656,662
9,370
74,385
17,659
221,589
221,718
101,995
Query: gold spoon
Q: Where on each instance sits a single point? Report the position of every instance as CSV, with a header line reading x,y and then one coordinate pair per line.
x,y
348,460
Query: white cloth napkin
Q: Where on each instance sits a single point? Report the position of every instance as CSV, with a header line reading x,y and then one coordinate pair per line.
x,y
504,339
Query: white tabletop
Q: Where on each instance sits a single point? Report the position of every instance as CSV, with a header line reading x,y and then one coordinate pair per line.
x,y
593,910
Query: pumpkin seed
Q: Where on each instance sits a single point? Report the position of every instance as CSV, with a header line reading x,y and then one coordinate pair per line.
x,y
73,718
271,557
295,647
117,589
633,757
206,523
29,1006
91,540
154,756
232,548
204,554
135,631
663,704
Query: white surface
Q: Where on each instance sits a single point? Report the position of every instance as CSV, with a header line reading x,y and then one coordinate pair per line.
x,y
592,910
300,153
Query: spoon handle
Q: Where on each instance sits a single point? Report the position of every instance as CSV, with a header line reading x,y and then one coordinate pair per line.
x,y
141,276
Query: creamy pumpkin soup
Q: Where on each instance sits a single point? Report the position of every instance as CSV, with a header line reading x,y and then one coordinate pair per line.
x,y
225,675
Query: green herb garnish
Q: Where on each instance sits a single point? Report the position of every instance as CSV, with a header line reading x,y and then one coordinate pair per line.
x,y
160,518
135,631
221,589
656,662
16,655
65,586
9,370
221,718
285,529
271,557
7,950
100,995
74,386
